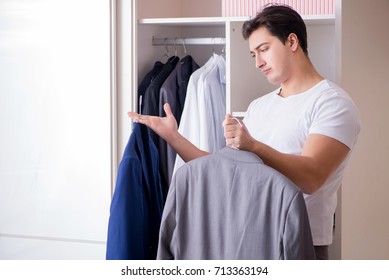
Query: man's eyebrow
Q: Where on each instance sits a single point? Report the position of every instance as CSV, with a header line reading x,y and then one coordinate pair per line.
x,y
260,45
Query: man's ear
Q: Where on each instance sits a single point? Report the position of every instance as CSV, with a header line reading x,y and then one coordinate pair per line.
x,y
293,41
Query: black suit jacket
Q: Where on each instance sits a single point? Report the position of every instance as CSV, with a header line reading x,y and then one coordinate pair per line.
x,y
146,82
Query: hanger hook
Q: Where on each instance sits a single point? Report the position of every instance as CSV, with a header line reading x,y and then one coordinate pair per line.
x,y
166,48
183,44
223,44
213,45
175,47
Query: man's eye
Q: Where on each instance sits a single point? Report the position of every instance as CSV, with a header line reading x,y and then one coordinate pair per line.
x,y
263,50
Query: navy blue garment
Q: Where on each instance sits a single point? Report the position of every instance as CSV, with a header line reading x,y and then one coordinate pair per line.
x,y
137,203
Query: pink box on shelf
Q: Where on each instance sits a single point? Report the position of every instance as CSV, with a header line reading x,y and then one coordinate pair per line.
x,y
244,8
240,8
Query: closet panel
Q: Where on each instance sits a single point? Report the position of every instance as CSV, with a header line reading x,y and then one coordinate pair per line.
x,y
321,47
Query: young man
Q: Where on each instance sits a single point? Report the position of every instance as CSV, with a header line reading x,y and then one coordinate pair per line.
x,y
306,129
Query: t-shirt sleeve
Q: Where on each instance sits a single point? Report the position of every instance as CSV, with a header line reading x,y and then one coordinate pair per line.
x,y
336,117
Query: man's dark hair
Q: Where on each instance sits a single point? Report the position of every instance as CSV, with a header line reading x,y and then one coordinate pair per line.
x,y
280,21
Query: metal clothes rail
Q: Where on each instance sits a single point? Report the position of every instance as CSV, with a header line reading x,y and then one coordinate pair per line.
x,y
157,41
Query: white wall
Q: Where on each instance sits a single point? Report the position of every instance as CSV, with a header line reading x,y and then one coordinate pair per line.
x,y
179,8
202,8
164,8
55,123
364,73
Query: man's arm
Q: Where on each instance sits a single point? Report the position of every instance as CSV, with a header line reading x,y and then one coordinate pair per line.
x,y
320,156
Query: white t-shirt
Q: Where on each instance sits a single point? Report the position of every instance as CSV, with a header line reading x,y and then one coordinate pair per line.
x,y
285,123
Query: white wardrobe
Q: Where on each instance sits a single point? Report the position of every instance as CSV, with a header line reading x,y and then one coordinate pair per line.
x,y
333,56
244,83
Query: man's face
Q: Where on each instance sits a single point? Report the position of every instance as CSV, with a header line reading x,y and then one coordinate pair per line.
x,y
271,56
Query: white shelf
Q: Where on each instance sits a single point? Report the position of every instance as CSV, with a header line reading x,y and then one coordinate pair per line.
x,y
190,21
238,114
319,19
188,41
220,21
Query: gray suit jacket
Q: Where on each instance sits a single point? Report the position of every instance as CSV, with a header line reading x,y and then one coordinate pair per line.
x,y
229,205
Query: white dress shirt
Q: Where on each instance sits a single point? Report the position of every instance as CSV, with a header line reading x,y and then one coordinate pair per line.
x,y
205,107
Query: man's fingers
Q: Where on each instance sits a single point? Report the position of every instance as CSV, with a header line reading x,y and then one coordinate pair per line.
x,y
167,109
143,119
133,115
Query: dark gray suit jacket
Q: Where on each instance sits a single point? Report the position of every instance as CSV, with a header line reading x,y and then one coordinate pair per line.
x,y
173,91
229,205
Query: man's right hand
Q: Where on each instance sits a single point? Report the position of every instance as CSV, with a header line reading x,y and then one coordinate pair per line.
x,y
165,127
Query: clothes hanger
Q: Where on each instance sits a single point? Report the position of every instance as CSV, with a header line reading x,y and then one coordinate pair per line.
x,y
175,47
223,49
183,44
214,42
166,54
